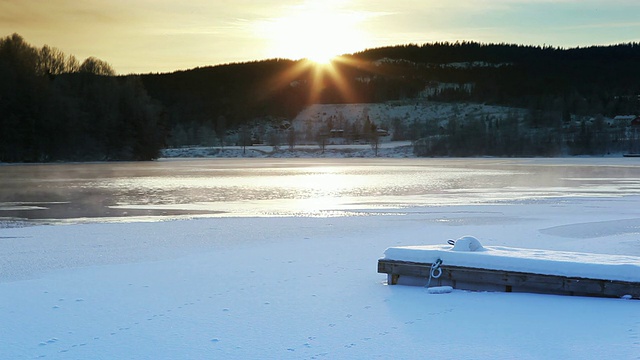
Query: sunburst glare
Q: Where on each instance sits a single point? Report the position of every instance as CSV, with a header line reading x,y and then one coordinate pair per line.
x,y
315,30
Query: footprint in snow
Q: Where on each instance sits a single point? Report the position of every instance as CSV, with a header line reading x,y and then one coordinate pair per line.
x,y
122,328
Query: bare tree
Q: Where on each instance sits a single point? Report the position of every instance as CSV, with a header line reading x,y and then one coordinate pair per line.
x,y
221,129
291,138
245,138
96,66
321,137
52,61
374,139
273,138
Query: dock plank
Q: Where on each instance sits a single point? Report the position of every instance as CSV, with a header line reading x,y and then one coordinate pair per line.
x,y
467,278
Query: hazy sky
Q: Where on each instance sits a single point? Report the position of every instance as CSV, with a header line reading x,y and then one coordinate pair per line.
x,y
140,36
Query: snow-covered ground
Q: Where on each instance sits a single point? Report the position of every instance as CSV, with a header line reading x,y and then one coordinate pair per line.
x,y
322,118
393,149
405,112
305,288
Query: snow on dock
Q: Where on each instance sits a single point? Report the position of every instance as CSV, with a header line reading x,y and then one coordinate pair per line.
x,y
469,265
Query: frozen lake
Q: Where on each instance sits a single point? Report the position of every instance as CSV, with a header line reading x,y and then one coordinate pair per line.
x,y
304,286
167,189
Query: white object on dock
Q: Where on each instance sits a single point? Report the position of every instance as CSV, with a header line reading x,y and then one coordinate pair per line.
x,y
467,243
439,289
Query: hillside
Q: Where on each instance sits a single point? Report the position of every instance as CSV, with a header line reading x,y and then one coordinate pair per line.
x,y
583,81
560,98
397,116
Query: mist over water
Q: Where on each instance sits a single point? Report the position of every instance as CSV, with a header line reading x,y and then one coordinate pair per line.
x,y
169,189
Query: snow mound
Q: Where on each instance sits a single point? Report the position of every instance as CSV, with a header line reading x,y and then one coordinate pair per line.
x,y
468,243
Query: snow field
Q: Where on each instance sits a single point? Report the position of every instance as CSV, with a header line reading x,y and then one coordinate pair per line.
x,y
304,288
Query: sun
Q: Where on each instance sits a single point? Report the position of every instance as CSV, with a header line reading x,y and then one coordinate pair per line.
x,y
317,30
320,51
321,57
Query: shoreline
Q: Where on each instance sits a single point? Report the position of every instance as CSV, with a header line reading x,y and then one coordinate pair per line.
x,y
395,149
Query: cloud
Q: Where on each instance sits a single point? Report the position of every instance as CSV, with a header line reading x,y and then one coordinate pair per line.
x,y
59,12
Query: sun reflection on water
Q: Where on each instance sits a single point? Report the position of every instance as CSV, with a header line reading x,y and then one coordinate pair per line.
x,y
227,188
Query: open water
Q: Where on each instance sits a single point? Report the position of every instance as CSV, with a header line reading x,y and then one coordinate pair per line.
x,y
169,189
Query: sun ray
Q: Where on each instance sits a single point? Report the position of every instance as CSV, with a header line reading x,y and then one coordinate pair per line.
x,y
321,82
341,82
294,73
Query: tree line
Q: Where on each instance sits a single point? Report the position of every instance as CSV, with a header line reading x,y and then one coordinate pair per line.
x,y
55,108
526,134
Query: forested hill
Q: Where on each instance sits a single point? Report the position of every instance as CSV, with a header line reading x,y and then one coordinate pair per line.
x,y
523,75
592,80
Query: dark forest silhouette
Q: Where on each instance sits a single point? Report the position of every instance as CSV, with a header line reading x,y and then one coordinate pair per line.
x,y
52,107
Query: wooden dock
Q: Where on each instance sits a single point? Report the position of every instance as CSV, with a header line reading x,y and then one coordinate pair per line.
x,y
469,278
470,266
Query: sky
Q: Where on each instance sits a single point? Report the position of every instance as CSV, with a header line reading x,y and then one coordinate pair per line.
x,y
142,36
